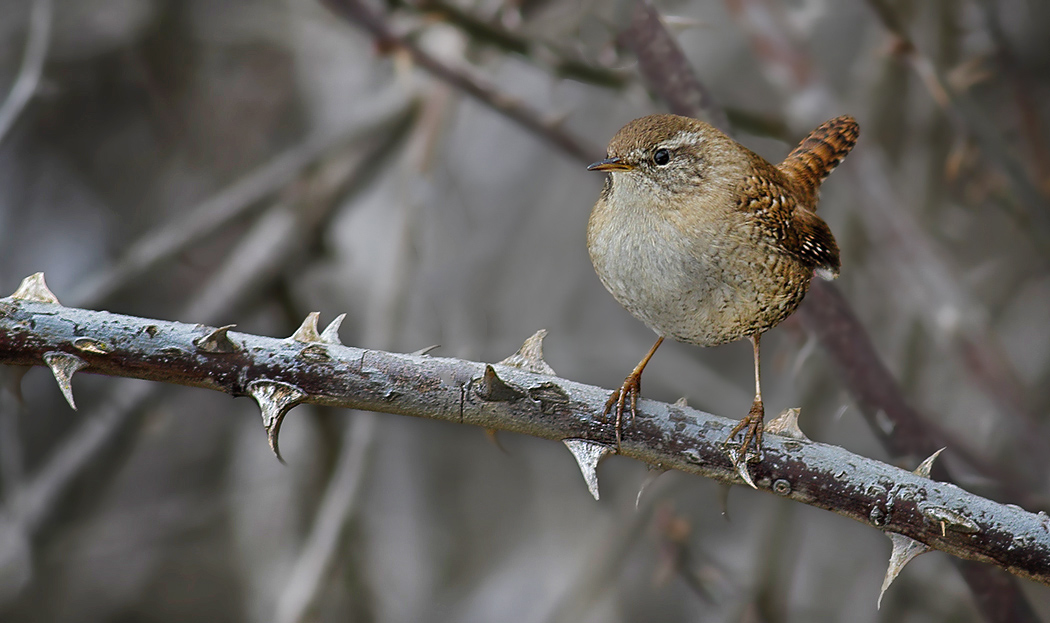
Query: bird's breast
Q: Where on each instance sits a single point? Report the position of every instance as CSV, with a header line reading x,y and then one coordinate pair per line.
x,y
705,285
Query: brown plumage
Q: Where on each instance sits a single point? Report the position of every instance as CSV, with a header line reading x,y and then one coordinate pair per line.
x,y
818,154
786,210
705,241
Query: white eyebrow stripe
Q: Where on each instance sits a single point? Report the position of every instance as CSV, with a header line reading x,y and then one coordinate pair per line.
x,y
683,138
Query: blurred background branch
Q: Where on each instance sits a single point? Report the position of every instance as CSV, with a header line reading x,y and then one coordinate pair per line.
x,y
25,85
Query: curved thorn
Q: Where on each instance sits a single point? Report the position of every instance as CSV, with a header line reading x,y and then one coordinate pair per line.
x,y
275,400
63,367
33,288
587,454
786,425
740,463
741,468
307,332
425,351
904,550
217,341
330,334
530,355
923,470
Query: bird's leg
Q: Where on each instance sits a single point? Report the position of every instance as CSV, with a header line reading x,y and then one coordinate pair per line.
x,y
632,386
753,420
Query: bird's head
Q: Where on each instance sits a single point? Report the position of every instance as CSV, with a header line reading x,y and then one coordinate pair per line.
x,y
668,155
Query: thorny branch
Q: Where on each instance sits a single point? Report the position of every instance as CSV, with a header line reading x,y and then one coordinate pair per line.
x,y
312,367
499,102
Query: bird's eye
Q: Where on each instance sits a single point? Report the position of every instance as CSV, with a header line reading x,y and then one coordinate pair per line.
x,y
661,157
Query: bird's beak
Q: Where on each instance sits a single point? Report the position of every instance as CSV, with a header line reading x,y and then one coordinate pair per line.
x,y
610,164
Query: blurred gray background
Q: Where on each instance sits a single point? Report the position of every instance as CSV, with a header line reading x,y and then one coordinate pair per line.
x,y
309,167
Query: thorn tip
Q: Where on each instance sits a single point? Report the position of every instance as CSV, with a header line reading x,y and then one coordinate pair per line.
x,y
904,550
786,425
924,468
217,341
275,399
33,288
652,473
307,332
740,464
530,355
63,367
588,454
330,335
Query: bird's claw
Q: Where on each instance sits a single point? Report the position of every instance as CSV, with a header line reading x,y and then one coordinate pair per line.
x,y
748,452
624,401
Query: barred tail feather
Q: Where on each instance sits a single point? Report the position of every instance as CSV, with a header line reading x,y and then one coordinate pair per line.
x,y
819,153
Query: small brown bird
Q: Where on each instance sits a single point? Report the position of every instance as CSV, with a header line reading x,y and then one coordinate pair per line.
x,y
706,242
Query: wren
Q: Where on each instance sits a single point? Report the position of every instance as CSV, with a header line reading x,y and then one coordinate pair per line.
x,y
706,242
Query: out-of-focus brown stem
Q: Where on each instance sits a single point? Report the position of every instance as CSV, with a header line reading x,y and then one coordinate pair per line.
x,y
554,58
969,120
902,429
358,13
912,255
677,92
661,59
1034,128
916,429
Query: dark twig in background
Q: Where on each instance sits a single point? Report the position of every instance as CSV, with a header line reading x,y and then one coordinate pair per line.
x,y
1032,204
364,16
679,87
665,68
546,53
681,90
828,315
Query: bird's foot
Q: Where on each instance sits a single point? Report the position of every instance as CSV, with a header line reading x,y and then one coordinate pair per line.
x,y
624,402
750,449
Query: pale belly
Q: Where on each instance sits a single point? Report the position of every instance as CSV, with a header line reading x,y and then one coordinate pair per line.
x,y
698,291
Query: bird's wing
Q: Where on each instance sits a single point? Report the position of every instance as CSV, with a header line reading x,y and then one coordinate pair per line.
x,y
808,238
791,228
